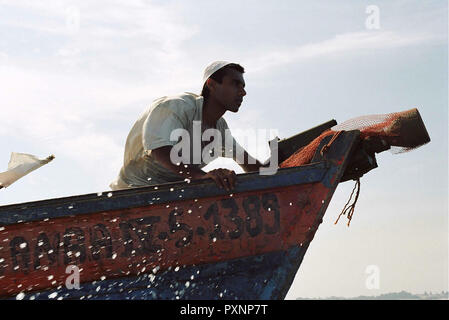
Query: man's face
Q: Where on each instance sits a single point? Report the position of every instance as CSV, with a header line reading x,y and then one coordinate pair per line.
x,y
231,91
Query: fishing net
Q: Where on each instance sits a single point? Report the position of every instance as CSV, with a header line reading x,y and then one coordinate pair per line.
x,y
402,131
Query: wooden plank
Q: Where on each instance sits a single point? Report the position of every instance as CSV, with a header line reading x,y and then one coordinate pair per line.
x,y
288,146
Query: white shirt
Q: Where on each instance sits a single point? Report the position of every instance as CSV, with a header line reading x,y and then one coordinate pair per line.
x,y
152,130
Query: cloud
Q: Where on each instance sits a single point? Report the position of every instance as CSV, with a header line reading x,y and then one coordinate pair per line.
x,y
93,150
347,43
132,40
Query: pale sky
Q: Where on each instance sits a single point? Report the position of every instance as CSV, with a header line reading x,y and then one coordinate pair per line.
x,y
75,75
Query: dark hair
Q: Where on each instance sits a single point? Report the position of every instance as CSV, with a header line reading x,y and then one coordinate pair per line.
x,y
218,76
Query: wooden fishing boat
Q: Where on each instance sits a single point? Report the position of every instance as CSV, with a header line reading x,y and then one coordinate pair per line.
x,y
180,240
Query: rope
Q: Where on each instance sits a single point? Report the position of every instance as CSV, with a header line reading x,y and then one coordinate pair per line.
x,y
327,146
349,210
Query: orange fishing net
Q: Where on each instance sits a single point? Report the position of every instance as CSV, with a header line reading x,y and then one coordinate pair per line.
x,y
403,131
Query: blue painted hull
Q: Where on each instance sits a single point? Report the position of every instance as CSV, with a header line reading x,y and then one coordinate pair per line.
x,y
239,279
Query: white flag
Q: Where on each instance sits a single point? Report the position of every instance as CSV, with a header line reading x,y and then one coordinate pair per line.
x,y
20,165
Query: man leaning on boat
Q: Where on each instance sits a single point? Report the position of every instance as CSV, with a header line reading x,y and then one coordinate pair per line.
x,y
166,142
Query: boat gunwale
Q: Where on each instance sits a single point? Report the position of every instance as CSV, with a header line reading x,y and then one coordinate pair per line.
x,y
168,192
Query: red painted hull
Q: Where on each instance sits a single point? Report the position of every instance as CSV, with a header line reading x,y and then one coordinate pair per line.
x,y
108,244
99,244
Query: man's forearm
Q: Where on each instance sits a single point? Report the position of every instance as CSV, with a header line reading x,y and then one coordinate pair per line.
x,y
251,167
188,171
269,167
223,178
250,164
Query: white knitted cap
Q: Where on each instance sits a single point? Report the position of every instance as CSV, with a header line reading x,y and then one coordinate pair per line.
x,y
212,68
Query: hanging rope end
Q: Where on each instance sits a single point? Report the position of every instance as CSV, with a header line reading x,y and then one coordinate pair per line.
x,y
349,209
